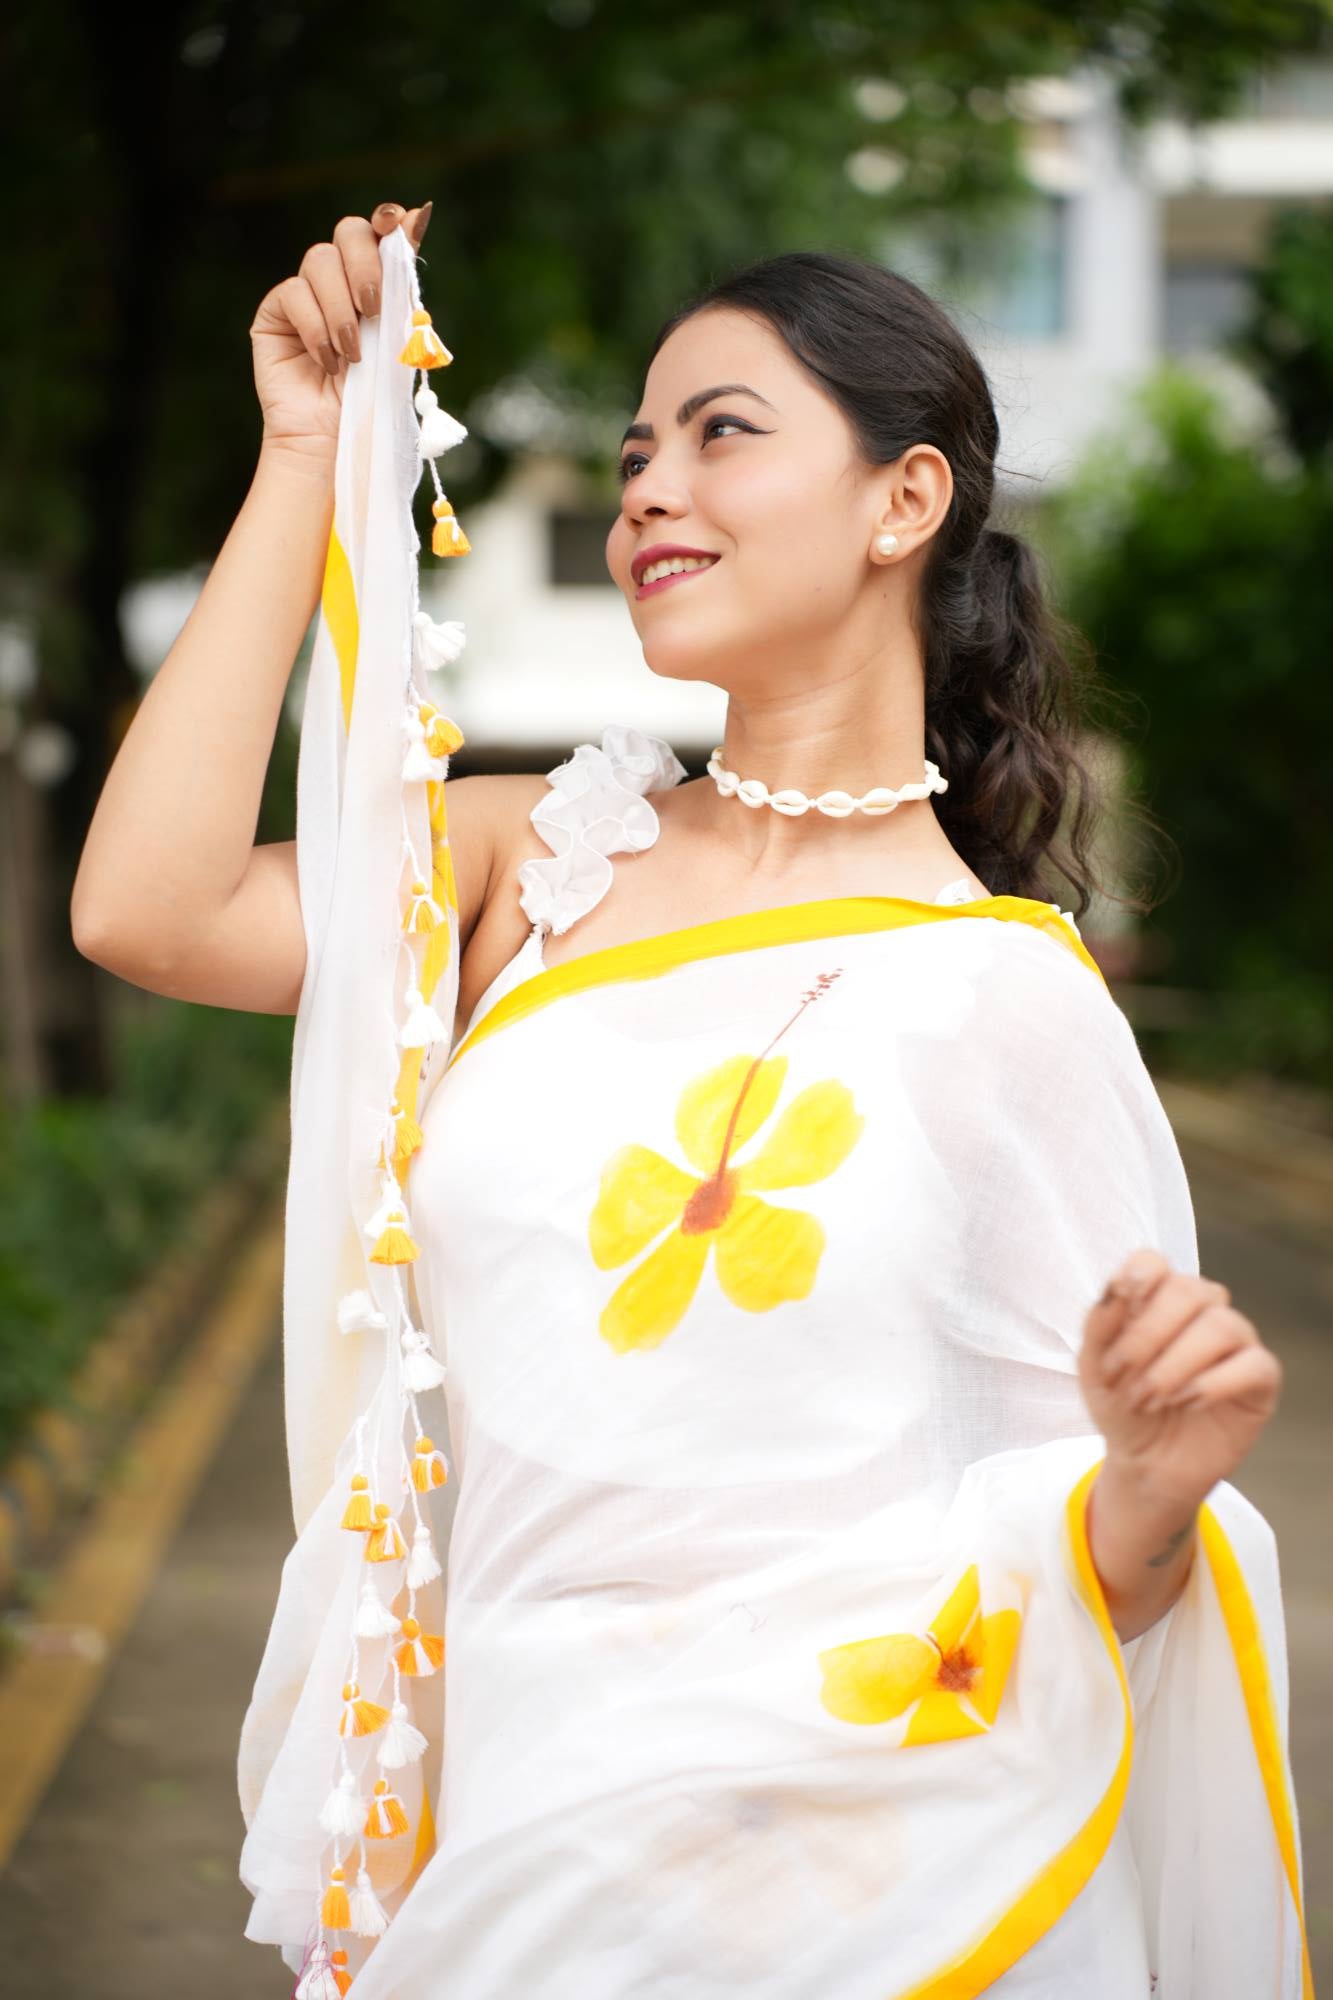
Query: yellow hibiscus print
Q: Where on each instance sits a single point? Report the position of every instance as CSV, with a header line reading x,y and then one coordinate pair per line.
x,y
764,1255
951,1681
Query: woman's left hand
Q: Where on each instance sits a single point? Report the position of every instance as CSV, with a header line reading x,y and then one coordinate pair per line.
x,y
1176,1380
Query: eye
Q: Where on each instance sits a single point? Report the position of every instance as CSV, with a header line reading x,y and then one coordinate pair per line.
x,y
736,423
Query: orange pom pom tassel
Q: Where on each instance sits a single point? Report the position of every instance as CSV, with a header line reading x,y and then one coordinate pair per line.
x,y
386,1816
385,1543
335,1912
342,1978
425,349
447,538
428,1466
360,1717
357,1514
421,1652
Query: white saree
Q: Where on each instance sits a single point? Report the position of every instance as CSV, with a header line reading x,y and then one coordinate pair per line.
x,y
774,1660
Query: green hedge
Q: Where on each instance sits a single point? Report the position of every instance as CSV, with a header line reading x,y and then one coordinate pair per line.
x,y
93,1191
1197,560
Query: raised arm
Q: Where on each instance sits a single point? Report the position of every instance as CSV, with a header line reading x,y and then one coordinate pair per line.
x,y
171,892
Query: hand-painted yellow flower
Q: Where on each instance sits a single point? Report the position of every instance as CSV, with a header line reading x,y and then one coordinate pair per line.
x,y
952,1680
765,1255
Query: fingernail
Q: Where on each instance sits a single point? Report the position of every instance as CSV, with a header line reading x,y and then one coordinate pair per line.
x,y
423,221
388,208
329,356
370,299
351,346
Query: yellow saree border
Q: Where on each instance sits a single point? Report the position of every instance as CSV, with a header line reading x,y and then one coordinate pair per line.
x,y
789,923
1247,1644
1054,1887
338,603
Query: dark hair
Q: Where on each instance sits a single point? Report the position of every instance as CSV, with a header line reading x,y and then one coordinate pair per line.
x,y
1009,684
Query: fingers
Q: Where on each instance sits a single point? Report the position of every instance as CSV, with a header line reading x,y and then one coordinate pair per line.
x,y
1213,1334
322,269
414,220
1252,1375
1175,1300
297,301
1133,1284
358,245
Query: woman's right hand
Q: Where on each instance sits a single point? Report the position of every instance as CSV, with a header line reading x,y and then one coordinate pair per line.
x,y
306,329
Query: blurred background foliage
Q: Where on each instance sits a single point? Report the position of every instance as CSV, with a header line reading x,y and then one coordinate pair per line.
x,y
590,165
1197,561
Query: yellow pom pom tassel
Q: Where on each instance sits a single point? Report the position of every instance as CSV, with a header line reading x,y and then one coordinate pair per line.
x,y
409,1138
421,1652
386,1816
360,1717
443,736
393,1245
447,538
425,349
385,1542
335,1912
357,1514
428,1466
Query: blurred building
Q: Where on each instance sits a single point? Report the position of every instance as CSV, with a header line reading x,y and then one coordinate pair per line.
x,y
1134,247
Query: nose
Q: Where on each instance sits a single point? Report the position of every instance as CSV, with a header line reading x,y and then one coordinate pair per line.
x,y
653,493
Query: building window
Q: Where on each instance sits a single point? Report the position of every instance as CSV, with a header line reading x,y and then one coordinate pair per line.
x,y
1203,302
1012,274
1019,281
577,547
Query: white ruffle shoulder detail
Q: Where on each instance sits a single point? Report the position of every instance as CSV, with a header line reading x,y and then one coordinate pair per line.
x,y
597,807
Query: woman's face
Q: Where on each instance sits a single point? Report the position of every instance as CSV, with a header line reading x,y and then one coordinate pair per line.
x,y
767,482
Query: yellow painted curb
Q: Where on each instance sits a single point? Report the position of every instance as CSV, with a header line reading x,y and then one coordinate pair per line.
x,y
96,1592
56,1466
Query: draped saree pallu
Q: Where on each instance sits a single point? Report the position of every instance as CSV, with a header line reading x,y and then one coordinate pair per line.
x,y
339,1752
751,1260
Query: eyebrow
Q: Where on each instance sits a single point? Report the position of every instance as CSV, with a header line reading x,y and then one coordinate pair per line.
x,y
696,402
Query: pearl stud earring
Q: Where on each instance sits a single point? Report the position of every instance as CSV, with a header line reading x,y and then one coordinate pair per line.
x,y
886,544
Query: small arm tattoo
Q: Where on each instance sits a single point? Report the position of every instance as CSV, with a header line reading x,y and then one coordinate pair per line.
x,y
1171,1547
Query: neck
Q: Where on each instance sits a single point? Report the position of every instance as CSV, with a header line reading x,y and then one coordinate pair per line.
x,y
825,740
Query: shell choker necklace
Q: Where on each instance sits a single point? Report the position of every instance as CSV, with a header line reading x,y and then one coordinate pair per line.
x,y
837,805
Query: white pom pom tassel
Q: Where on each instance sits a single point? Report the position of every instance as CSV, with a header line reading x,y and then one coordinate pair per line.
x,y
423,1025
401,1742
423,1565
374,1620
317,1981
368,1919
342,1811
417,761
421,1370
438,643
357,1313
439,431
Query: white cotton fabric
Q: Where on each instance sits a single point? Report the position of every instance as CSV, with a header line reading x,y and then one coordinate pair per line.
x,y
641,1793
362,836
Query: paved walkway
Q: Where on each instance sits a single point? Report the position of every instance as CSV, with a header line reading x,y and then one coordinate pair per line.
x,y
124,1885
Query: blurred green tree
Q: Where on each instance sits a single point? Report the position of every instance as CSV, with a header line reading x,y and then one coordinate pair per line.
x,y
1196,560
589,164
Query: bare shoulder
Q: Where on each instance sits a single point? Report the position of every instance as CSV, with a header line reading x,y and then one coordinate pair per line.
x,y
491,833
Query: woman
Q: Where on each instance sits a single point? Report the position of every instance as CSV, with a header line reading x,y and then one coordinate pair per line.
x,y
846,1594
